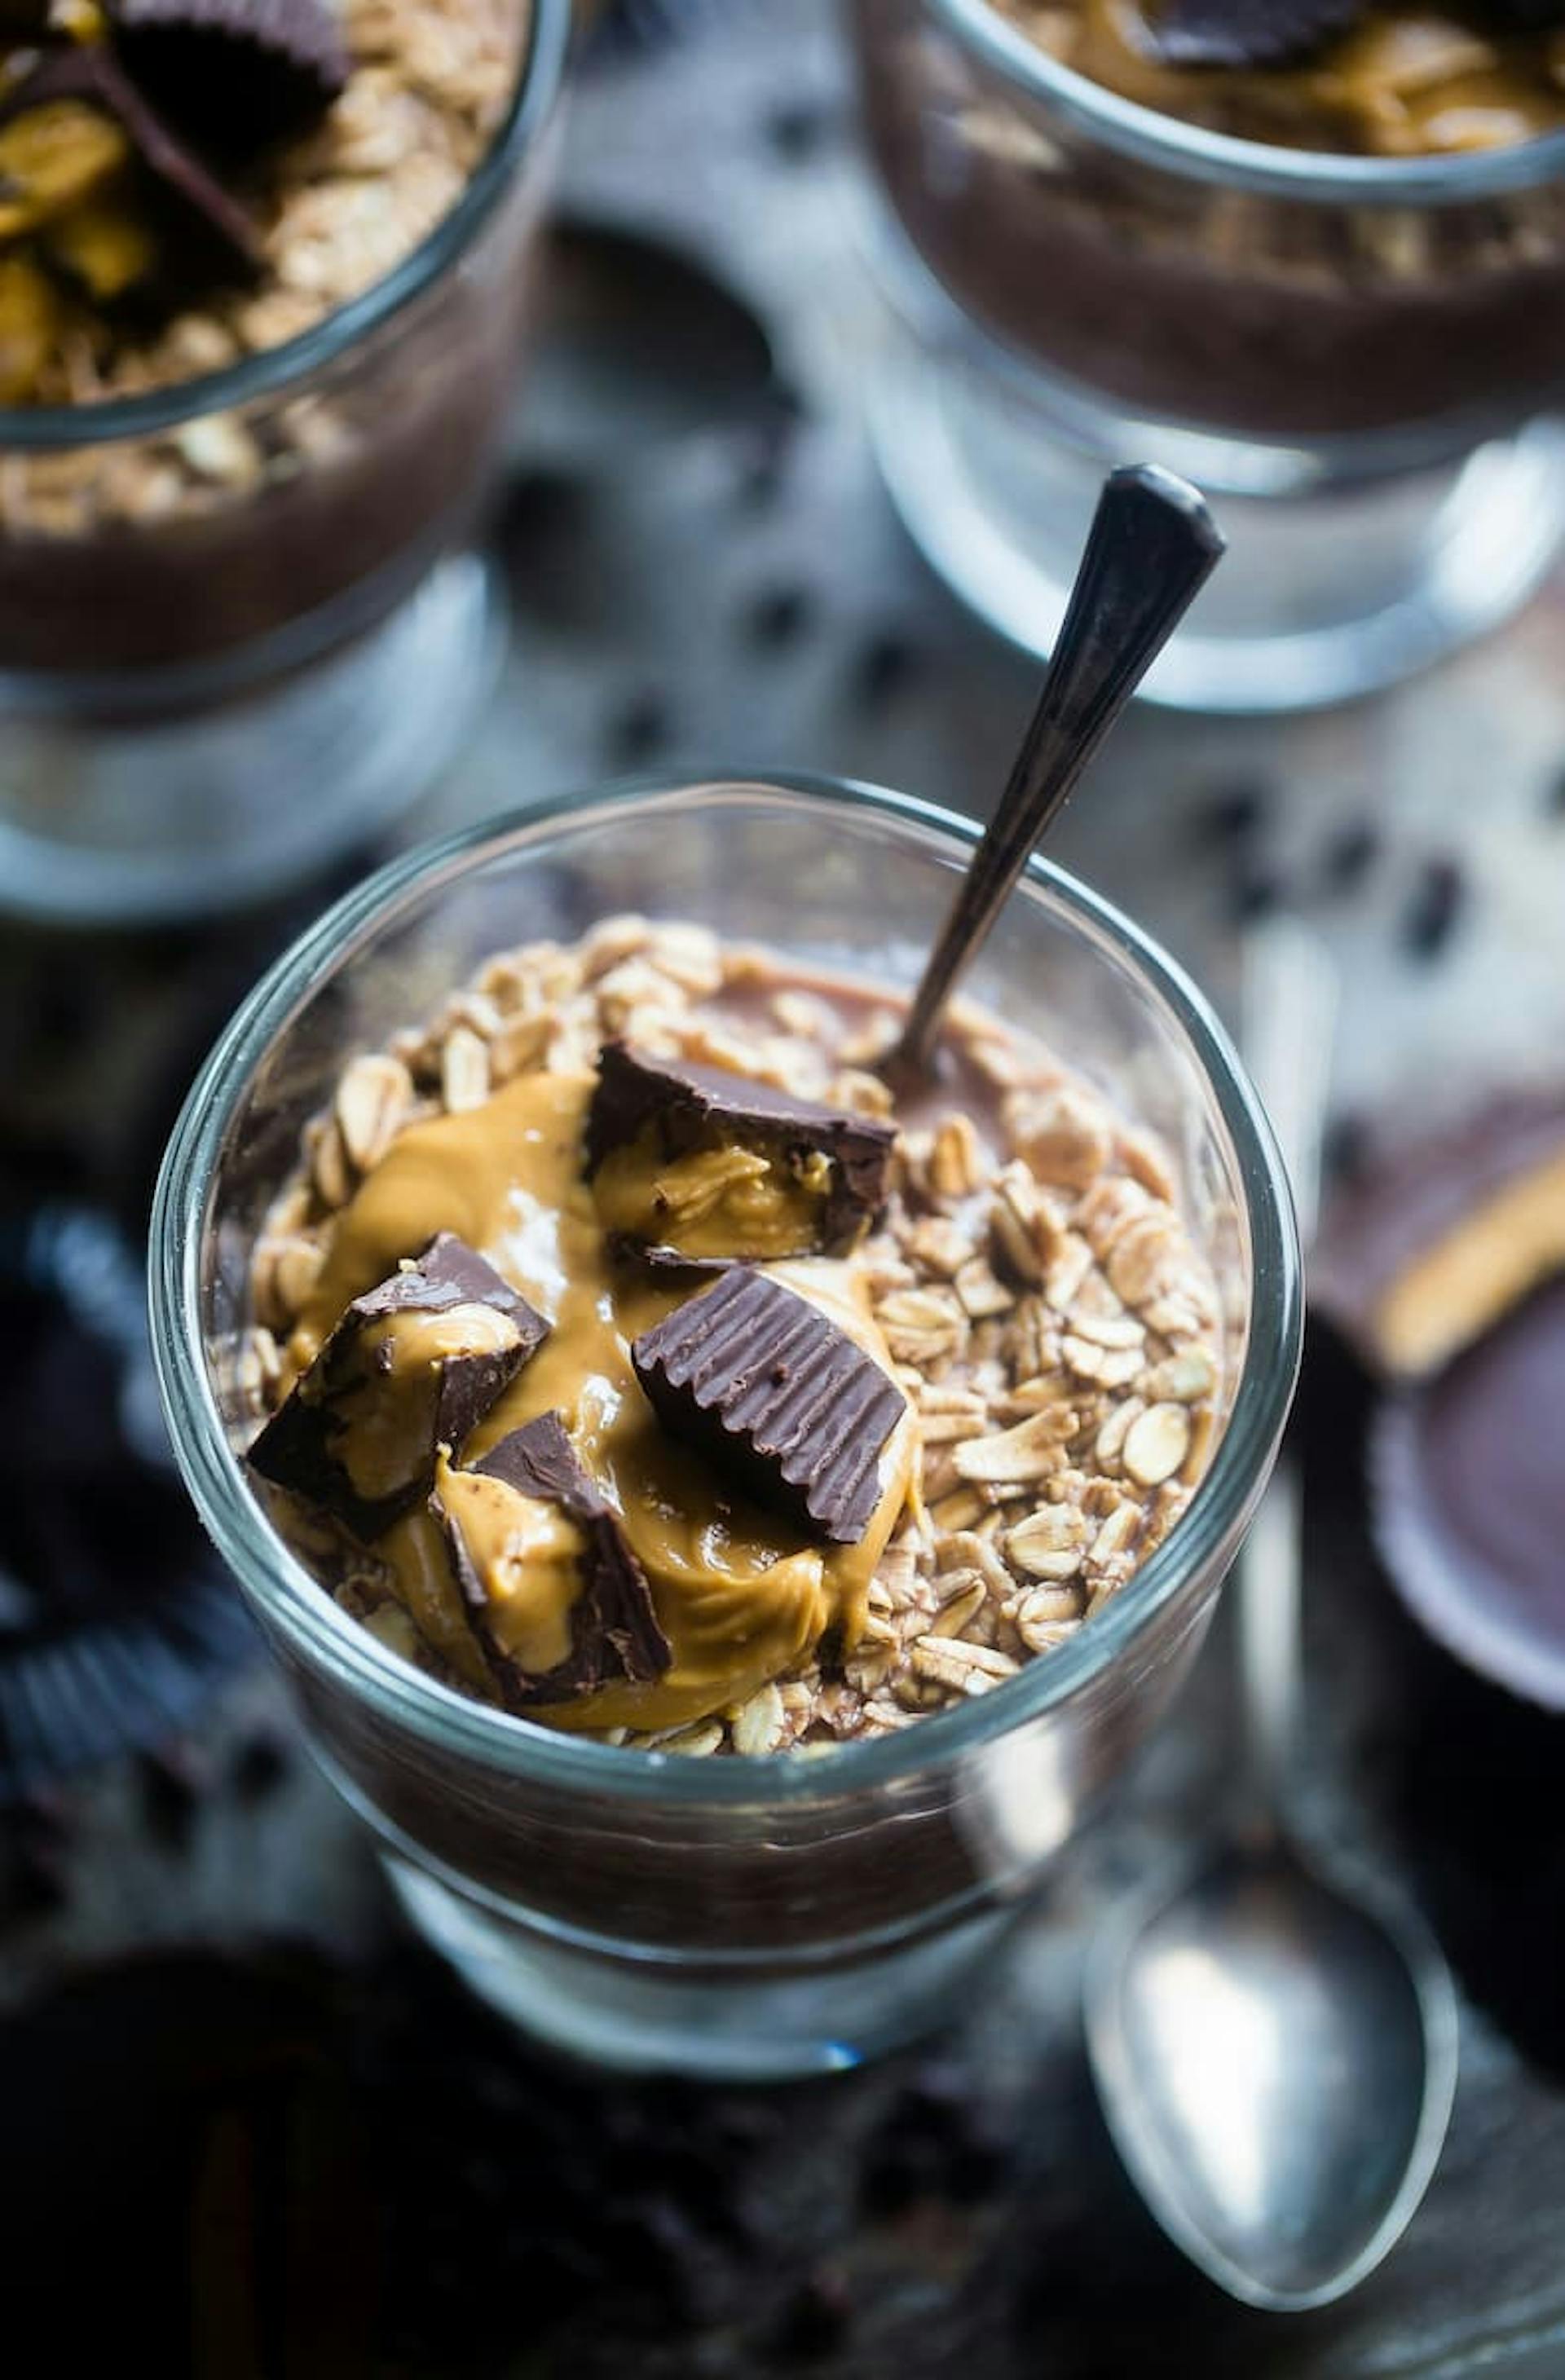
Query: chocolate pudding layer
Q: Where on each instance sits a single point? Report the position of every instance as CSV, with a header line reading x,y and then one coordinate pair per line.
x,y
630,1362
1203,302
322,500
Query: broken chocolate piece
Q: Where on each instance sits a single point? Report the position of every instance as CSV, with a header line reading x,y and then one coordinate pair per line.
x,y
759,1382
613,1631
412,1367
1440,1238
625,1249
91,73
823,1173
233,74
1249,32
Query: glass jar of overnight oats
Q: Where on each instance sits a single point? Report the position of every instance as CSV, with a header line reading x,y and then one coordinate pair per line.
x,y
248,416
767,1820
1325,286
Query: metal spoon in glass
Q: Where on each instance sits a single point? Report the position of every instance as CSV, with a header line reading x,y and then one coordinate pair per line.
x,y
1151,547
1276,2058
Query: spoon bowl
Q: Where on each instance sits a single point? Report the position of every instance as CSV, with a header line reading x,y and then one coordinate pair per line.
x,y
1277,2063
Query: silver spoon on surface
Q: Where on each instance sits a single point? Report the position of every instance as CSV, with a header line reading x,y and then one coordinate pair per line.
x,y
1151,547
1276,2058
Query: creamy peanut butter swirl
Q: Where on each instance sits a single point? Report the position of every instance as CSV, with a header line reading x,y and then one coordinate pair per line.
x,y
741,1596
1406,82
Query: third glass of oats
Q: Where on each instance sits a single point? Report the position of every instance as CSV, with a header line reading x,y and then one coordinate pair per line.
x,y
723,1533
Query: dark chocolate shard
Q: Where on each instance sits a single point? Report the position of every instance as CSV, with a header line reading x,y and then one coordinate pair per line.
x,y
1249,32
615,1637
306,1447
767,1388
625,1249
687,1108
91,73
234,73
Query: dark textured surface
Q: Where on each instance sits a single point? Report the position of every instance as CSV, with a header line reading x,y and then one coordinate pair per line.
x,y
959,2211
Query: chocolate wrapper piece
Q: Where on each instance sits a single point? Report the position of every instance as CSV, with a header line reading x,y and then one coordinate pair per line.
x,y
91,73
234,73
614,1631
304,1447
771,1391
1445,1235
1249,32
690,1108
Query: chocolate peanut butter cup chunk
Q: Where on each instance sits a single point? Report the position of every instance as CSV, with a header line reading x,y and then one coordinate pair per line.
x,y
413,1365
560,1604
779,1397
691,1158
1248,32
69,131
234,73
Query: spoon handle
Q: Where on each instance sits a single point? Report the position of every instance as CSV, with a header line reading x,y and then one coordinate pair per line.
x,y
1151,547
1289,1010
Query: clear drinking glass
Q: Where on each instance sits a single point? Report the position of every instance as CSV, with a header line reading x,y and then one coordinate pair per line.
x,y
1360,357
733,1916
241,625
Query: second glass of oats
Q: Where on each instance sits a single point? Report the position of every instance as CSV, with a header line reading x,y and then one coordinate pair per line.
x,y
1084,1283
241,622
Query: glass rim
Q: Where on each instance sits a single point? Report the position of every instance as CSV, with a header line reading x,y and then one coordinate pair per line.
x,y
275,1580
1318,175
538,75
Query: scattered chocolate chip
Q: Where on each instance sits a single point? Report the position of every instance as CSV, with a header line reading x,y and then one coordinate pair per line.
x,y
769,1391
1234,814
260,1765
887,664
90,72
302,1448
174,1780
1350,854
639,730
1248,32
799,129
1255,889
234,73
615,1630
687,1108
777,617
1434,909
